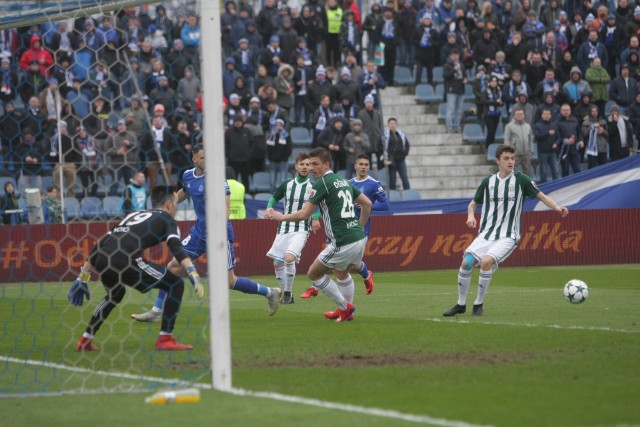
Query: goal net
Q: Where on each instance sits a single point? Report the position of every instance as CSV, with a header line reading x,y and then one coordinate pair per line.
x,y
89,91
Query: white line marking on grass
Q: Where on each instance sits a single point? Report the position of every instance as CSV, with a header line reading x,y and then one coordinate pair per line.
x,y
385,413
376,412
533,325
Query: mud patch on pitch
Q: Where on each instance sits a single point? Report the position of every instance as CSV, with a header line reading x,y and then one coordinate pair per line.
x,y
403,359
181,366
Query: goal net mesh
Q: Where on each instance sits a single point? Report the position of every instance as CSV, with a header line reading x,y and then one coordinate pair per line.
x,y
83,83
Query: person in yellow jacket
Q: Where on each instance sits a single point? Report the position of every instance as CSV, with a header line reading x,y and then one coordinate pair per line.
x,y
332,37
236,199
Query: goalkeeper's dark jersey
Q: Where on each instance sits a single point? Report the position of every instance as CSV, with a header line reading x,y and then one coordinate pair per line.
x,y
139,231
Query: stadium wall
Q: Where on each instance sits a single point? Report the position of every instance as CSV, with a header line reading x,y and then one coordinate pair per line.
x,y
33,253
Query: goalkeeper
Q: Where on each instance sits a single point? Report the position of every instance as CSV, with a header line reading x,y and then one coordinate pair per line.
x,y
117,257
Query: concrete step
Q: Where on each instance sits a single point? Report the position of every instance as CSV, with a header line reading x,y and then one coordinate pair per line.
x,y
442,149
428,130
444,183
390,93
399,111
433,136
443,160
410,119
478,171
447,194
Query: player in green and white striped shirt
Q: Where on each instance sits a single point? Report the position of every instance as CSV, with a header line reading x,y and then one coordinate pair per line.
x,y
292,236
502,196
336,198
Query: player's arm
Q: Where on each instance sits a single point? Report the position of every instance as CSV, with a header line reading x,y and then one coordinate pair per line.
x,y
304,213
380,202
182,195
552,204
228,201
365,208
471,214
175,246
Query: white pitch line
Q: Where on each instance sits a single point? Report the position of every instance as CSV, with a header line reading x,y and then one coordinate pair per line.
x,y
376,412
533,325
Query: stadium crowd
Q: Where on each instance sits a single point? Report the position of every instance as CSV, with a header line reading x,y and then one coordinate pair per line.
x,y
121,93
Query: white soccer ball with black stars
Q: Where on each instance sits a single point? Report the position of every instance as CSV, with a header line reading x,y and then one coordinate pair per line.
x,y
576,291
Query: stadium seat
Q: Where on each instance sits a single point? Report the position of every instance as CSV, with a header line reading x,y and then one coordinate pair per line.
x,y
474,133
469,112
394,196
442,111
112,206
71,208
91,208
300,137
262,196
438,77
468,94
383,177
260,182
47,181
248,196
402,76
491,152
409,195
425,94
500,133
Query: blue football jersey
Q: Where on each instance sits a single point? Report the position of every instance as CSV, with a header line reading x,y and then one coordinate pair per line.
x,y
194,186
375,192
227,192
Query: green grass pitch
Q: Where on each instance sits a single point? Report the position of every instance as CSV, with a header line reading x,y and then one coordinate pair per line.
x,y
532,360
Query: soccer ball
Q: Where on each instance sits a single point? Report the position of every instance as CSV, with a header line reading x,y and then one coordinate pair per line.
x,y
576,291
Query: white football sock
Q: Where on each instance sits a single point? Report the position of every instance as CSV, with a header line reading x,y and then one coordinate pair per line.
x,y
289,275
330,289
464,280
347,288
483,285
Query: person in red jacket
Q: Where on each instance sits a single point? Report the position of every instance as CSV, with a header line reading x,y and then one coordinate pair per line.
x,y
37,53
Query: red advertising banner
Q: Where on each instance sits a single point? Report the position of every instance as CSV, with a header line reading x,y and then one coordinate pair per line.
x,y
33,253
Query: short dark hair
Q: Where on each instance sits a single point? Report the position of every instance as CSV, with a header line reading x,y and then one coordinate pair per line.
x,y
196,149
322,153
392,119
161,193
504,148
303,155
363,157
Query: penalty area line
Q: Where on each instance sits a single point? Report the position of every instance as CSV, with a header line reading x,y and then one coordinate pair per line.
x,y
531,325
376,412
385,413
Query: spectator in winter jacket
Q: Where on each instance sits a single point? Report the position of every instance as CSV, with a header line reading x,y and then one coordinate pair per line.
x,y
395,148
454,81
591,49
332,139
544,133
39,54
237,142
569,141
518,134
598,78
279,149
575,87
596,136
623,88
426,39
355,143
620,135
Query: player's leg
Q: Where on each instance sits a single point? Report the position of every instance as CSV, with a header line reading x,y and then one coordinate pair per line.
x,y
194,247
367,275
318,274
497,253
295,245
248,286
115,293
464,280
173,286
277,253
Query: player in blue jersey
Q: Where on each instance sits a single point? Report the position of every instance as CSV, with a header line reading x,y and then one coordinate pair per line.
x,y
195,245
375,192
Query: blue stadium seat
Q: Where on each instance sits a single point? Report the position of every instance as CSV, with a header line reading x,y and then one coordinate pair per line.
x,y
437,75
402,76
394,196
474,133
300,137
425,94
71,208
91,208
260,182
491,152
112,206
409,195
468,94
500,133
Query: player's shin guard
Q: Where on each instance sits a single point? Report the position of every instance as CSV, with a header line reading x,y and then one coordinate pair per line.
x,y
464,280
280,275
347,288
162,296
289,275
483,285
330,289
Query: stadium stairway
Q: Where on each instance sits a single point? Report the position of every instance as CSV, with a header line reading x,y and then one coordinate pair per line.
x,y
440,165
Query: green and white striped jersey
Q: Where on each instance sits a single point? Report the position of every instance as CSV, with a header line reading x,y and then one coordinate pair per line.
x,y
295,194
335,197
502,201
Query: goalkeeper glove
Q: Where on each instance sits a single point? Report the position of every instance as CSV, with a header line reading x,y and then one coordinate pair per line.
x,y
194,278
79,290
